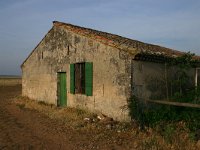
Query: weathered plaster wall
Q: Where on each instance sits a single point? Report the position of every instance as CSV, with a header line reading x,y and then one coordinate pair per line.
x,y
149,80
111,72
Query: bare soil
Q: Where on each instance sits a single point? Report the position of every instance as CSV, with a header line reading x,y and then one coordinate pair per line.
x,y
30,129
26,124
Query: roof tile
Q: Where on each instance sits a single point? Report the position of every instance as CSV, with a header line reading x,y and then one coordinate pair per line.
x,y
126,44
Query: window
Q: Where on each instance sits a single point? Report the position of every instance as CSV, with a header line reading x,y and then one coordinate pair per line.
x,y
81,78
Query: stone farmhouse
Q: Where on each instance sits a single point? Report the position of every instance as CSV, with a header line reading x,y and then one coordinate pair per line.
x,y
74,66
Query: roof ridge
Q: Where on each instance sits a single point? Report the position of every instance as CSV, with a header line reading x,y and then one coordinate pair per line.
x,y
124,43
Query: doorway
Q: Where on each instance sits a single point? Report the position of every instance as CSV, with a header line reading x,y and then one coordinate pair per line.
x,y
62,89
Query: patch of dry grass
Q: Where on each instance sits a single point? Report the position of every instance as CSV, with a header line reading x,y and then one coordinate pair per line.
x,y
169,137
70,116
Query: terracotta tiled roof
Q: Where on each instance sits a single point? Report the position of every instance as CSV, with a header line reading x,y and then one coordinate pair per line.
x,y
126,44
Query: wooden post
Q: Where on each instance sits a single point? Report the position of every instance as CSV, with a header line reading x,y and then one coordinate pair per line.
x,y
166,81
196,82
196,77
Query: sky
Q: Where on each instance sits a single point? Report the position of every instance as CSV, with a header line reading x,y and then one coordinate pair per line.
x,y
169,23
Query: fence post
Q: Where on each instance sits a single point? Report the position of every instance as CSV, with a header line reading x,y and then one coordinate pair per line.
x,y
196,77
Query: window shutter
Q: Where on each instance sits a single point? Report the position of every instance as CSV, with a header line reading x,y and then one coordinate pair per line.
x,y
88,78
72,79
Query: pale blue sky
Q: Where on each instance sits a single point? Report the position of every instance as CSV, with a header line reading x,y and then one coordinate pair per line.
x,y
170,23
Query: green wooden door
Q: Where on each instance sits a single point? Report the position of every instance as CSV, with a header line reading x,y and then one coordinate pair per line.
x,y
62,89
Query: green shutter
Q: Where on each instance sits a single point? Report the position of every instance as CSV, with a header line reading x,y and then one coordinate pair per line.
x,y
88,78
72,79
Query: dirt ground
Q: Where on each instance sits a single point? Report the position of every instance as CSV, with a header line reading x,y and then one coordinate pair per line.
x,y
29,129
30,125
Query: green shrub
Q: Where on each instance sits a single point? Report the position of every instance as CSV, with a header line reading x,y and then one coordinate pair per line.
x,y
154,114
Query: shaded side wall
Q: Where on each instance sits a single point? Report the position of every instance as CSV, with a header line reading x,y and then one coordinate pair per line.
x,y
111,73
149,81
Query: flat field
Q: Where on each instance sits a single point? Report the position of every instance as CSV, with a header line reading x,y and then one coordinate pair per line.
x,y
27,124
6,81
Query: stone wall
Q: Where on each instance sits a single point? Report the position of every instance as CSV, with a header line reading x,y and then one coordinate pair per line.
x,y
59,48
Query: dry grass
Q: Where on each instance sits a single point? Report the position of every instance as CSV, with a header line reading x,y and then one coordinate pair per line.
x,y
174,137
71,116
